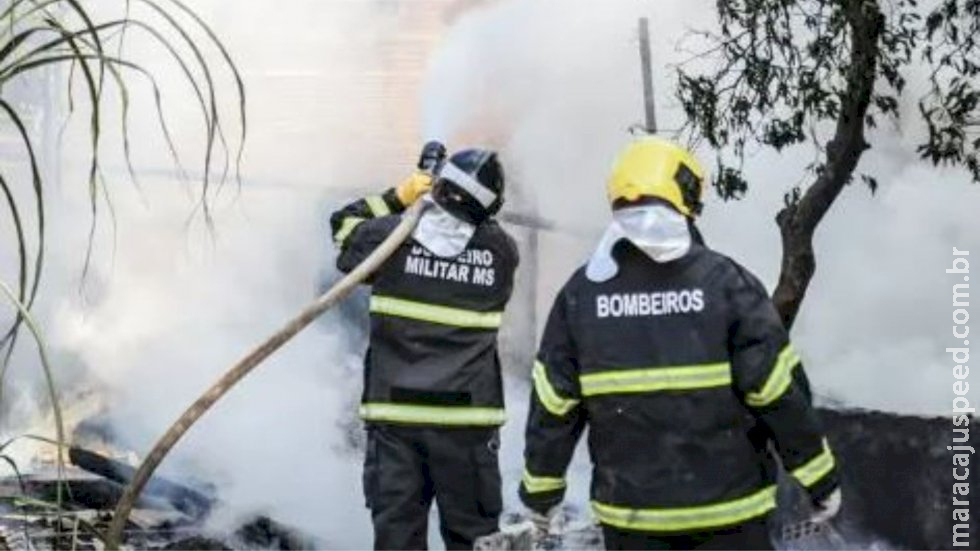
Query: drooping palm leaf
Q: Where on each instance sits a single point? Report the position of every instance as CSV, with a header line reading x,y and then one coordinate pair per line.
x,y
13,467
42,351
22,276
239,83
79,40
41,36
9,339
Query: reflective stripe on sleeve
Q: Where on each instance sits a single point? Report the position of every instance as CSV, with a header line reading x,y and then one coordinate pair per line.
x,y
346,228
540,484
778,381
378,206
815,469
433,415
702,517
434,313
691,377
547,394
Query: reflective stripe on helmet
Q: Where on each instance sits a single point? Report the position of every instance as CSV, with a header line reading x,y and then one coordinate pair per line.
x,y
346,228
541,484
778,381
693,377
676,519
547,394
816,468
433,415
454,174
378,206
434,313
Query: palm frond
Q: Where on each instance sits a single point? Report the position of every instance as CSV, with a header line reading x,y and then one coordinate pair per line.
x,y
49,380
41,37
9,338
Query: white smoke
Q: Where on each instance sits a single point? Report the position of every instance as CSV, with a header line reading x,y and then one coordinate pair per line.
x,y
173,316
555,85
168,306
563,84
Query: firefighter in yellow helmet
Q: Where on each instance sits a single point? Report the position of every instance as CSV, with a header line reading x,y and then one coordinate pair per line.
x,y
675,358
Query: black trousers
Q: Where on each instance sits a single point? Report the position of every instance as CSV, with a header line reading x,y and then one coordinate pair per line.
x,y
751,535
406,468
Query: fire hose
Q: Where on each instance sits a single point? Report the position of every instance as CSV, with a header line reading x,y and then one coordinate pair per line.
x,y
338,292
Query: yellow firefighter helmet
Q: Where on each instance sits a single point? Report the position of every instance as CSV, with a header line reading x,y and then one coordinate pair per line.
x,y
655,168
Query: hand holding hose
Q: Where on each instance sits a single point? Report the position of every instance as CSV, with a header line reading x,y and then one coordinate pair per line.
x,y
420,182
414,187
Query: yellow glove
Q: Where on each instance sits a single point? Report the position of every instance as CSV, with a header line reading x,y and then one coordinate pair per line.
x,y
413,187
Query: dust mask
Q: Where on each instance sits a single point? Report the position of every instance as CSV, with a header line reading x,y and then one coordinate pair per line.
x,y
441,233
658,230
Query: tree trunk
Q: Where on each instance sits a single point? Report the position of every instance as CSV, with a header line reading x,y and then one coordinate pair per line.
x,y
798,265
800,218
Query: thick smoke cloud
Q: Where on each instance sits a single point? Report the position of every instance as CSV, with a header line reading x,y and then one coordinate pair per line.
x,y
554,84
562,83
168,305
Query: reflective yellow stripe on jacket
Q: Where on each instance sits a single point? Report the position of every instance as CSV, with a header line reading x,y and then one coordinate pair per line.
x,y
703,517
346,228
378,206
434,313
692,377
813,470
778,381
540,484
547,395
433,415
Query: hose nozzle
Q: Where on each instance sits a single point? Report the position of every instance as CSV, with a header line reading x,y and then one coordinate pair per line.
x,y
432,157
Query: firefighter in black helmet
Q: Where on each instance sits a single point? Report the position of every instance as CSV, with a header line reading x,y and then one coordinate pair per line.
x,y
433,394
675,358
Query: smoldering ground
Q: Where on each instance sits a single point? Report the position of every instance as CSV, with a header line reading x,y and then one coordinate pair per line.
x,y
168,306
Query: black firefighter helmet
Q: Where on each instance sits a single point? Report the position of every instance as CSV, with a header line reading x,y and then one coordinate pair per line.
x,y
470,185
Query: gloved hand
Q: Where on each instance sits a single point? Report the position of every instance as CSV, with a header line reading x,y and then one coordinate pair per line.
x,y
413,187
827,508
541,521
818,523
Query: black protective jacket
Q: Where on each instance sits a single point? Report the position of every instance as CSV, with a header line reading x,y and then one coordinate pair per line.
x,y
683,373
432,358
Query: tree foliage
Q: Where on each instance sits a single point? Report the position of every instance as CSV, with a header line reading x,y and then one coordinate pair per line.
x,y
822,72
951,109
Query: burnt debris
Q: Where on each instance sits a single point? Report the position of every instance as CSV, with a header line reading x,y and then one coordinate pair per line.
x,y
169,515
897,484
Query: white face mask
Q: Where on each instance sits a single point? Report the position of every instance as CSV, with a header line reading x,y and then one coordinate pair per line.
x,y
658,230
441,233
